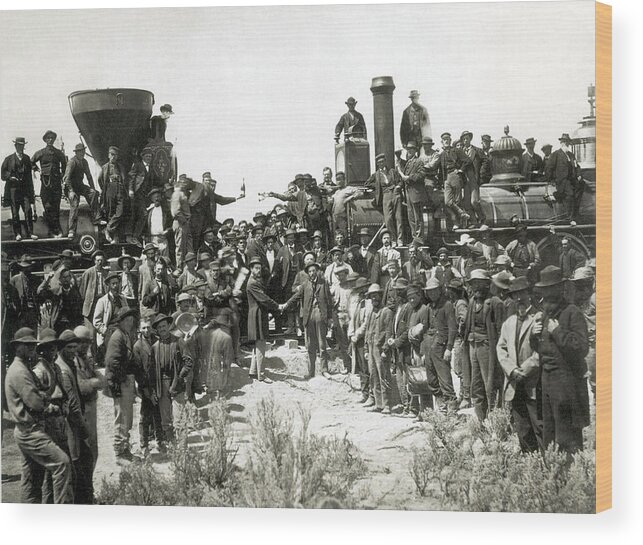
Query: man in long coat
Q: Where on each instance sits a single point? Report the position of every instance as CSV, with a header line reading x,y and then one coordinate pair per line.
x,y
139,183
416,195
18,189
564,171
415,121
351,122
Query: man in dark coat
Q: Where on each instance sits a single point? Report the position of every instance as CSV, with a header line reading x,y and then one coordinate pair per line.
x,y
563,171
532,163
67,303
52,166
415,121
259,305
288,263
158,123
157,295
570,258
92,288
139,183
351,122
214,198
560,337
18,189
111,180
471,170
453,161
388,196
77,169
416,195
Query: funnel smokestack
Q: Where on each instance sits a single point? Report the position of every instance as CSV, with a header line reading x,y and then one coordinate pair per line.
x,y
382,89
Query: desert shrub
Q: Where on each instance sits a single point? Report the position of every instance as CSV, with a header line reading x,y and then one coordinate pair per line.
x,y
479,467
138,484
296,469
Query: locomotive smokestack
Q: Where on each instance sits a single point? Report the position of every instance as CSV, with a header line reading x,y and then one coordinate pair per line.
x,y
382,89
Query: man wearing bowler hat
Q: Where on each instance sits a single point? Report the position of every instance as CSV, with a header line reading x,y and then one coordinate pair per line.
x,y
77,169
532,163
107,307
28,407
120,371
415,121
521,367
560,337
52,165
158,123
564,171
18,189
351,122
112,180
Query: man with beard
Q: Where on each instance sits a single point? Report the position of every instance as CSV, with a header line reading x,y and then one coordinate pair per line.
x,y
564,171
388,196
560,337
397,342
67,303
444,271
77,430
412,176
521,367
18,189
52,165
376,352
28,407
479,335
379,270
157,296
111,180
288,261
419,264
440,338
524,254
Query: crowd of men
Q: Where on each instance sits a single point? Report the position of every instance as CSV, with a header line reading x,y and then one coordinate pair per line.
x,y
168,325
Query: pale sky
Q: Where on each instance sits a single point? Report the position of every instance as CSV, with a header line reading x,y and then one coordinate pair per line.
x,y
257,91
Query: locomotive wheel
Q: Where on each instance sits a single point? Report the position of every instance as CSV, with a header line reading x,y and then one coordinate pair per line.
x,y
88,244
549,248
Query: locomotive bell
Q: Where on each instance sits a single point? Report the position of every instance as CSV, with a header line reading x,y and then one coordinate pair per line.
x,y
506,160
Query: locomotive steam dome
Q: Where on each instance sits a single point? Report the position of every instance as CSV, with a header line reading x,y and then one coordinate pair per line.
x,y
506,159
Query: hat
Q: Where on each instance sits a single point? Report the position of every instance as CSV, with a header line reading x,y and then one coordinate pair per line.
x,y
313,264
308,252
455,284
229,220
486,138
209,230
183,296
97,253
113,149
363,232
214,265
414,93
354,248
67,337
384,232
416,243
445,135
392,260
149,246
400,283
290,232
427,140
546,146
280,210
411,144
519,283
565,138
466,133
374,288
530,140
335,249
258,215
341,269
167,108
465,238
583,273
413,288
360,283
380,156
48,134
146,151
190,256
502,279
46,336
479,274
257,227
204,255
317,234
268,236
350,100
227,251
432,284
442,250
25,335
25,262
122,258
123,312
83,333
162,318
550,276
255,261
112,274
79,147
206,174
20,140
503,260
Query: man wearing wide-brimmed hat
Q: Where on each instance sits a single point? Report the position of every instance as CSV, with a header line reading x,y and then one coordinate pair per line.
x,y
524,254
107,307
52,166
351,122
415,121
120,371
386,183
564,171
77,169
584,283
24,288
377,327
521,367
532,163
140,180
28,407
18,189
561,339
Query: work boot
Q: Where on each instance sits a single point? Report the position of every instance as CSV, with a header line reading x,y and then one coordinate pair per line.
x,y
370,402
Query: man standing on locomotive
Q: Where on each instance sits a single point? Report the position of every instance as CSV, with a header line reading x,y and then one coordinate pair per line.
x,y
564,171
111,181
52,165
452,163
18,191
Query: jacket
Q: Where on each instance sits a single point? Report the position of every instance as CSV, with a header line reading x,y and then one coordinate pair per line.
x,y
471,168
52,162
77,429
288,263
103,314
415,187
140,179
398,330
87,288
109,169
383,182
562,170
26,402
161,302
119,361
442,324
415,117
76,170
531,164
352,123
17,174
259,305
317,292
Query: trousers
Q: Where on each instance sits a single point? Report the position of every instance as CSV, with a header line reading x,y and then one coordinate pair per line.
x,y
472,199
361,367
380,375
20,201
392,209
414,211
453,196
182,242
315,335
150,423
258,354
40,454
51,195
462,367
91,196
84,475
434,357
527,423
138,214
124,415
165,409
482,378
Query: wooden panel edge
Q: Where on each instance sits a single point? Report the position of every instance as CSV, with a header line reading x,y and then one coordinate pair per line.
x,y
603,257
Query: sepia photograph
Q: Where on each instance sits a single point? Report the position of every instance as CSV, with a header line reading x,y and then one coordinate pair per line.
x,y
319,257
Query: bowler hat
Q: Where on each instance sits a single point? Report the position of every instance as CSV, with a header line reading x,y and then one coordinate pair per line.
x,y
79,147
546,146
162,318
154,191
148,247
530,140
122,258
317,234
25,335
486,138
255,261
550,276
20,140
380,156
97,253
442,250
167,108
479,274
146,151
48,134
374,288
519,283
66,337
113,149
400,283
432,284
183,297
414,93
46,336
363,232
258,215
290,232
455,284
351,100
257,227
565,138
190,256
313,264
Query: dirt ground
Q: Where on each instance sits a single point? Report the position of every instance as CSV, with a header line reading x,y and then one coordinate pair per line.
x,y
385,442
